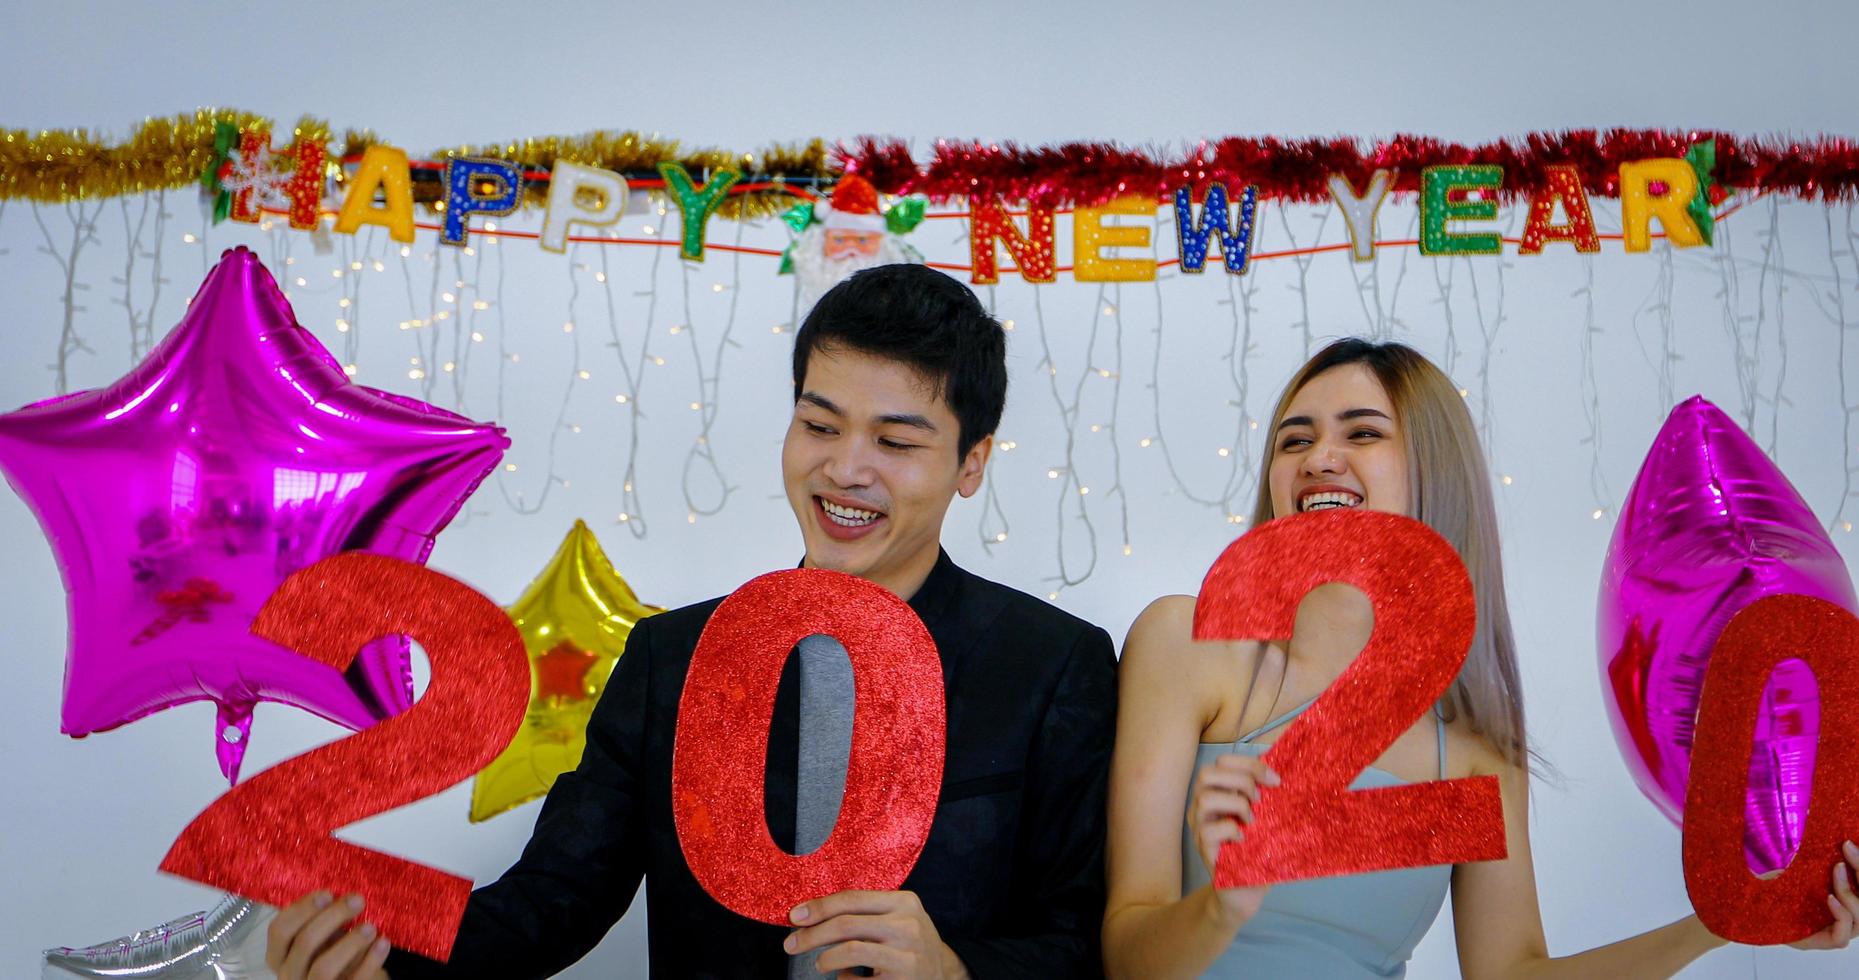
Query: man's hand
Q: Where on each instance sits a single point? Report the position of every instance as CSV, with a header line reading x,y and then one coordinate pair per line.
x,y
307,942
886,931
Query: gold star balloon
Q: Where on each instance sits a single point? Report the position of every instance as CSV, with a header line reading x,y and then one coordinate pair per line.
x,y
574,618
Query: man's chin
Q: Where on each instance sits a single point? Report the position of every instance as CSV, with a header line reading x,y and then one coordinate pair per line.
x,y
839,556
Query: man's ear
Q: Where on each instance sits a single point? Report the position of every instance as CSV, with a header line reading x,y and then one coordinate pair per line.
x,y
973,466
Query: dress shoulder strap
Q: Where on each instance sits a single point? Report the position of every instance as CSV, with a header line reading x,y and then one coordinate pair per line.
x,y
1439,736
1275,722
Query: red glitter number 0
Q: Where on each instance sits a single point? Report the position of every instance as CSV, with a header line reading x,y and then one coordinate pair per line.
x,y
1732,902
894,772
1313,825
269,837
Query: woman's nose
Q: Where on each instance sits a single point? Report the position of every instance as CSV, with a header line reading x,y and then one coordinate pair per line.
x,y
1323,458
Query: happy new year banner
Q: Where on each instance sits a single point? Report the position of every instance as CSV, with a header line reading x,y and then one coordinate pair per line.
x,y
1668,184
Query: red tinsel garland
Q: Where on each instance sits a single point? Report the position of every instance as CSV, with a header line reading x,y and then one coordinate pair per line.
x,y
1824,168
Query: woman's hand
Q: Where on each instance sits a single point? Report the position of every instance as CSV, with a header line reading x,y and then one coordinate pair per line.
x,y
1844,904
1224,794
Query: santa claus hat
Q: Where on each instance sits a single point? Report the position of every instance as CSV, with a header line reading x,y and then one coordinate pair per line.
x,y
854,206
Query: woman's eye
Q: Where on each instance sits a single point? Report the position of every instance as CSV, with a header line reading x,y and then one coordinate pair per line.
x,y
1365,433
1294,442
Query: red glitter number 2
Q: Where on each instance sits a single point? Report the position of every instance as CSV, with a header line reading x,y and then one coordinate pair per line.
x,y
1313,824
269,837
720,751
1729,900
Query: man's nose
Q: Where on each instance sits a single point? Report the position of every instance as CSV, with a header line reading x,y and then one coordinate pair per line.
x,y
849,464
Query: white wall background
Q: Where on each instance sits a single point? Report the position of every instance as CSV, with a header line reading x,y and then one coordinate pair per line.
x,y
85,822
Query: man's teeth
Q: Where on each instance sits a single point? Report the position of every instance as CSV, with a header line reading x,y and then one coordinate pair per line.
x,y
1329,501
848,516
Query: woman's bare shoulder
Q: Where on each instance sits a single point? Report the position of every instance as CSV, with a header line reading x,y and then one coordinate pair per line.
x,y
1161,651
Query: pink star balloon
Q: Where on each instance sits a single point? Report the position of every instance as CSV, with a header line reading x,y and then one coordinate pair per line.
x,y
179,497
1710,526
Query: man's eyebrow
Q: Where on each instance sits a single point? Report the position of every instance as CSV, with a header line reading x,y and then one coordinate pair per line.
x,y
821,401
914,421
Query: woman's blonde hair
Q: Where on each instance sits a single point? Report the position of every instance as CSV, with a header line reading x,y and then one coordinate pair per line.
x,y
1451,491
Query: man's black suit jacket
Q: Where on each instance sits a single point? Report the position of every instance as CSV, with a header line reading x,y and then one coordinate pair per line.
x,y
1012,875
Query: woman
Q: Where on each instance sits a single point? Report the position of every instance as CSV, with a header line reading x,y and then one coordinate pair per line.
x,y
1360,425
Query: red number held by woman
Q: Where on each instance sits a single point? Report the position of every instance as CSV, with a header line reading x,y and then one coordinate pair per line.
x,y
269,838
720,752
1732,902
1313,825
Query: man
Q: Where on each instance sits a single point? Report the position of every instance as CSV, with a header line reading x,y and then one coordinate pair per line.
x,y
899,382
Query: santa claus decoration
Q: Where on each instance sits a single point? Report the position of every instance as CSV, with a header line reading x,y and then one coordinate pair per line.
x,y
835,238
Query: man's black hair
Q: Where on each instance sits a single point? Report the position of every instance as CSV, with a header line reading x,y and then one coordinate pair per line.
x,y
914,314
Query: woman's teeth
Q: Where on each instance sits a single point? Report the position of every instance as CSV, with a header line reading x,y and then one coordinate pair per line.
x,y
1328,501
848,516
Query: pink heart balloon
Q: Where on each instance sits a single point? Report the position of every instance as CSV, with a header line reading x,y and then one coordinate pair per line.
x,y
179,497
1710,526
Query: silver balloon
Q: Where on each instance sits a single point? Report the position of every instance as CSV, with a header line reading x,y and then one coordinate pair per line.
x,y
226,942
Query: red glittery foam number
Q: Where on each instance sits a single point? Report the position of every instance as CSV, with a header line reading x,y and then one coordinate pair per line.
x,y
1732,902
269,837
1313,824
893,776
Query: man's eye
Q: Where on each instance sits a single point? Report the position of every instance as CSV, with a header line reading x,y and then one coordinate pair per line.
x,y
816,428
893,444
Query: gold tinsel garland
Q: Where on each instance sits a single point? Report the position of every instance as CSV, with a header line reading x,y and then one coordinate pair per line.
x,y
53,166
630,152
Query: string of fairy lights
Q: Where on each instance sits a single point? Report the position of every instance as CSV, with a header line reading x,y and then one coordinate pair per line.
x,y
457,300
1842,324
